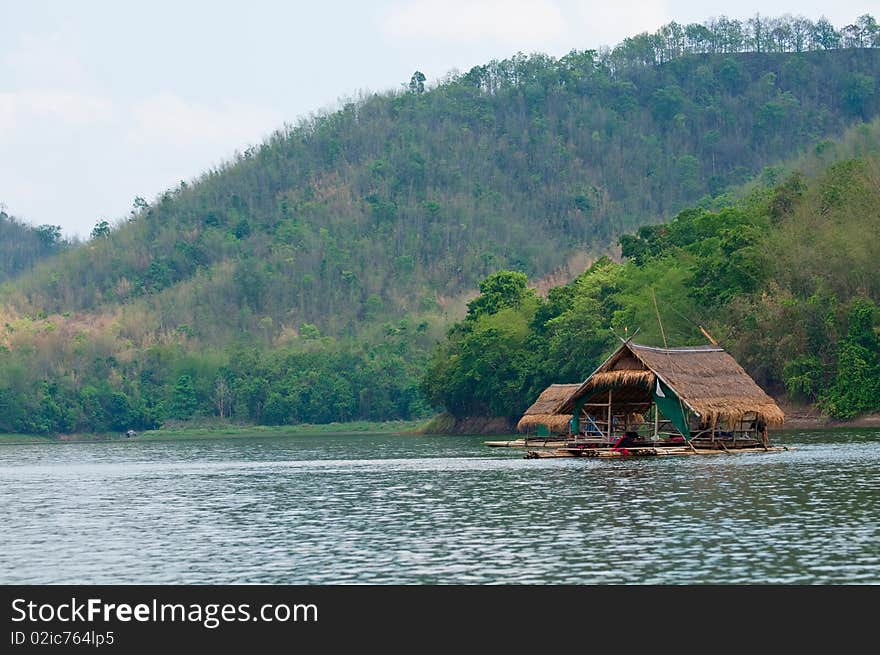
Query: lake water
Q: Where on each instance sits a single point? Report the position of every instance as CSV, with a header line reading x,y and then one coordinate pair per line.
x,y
401,509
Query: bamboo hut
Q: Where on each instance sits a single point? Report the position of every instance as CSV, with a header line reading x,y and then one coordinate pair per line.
x,y
699,393
541,419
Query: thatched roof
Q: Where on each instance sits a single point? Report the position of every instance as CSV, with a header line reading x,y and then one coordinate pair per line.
x,y
706,378
541,412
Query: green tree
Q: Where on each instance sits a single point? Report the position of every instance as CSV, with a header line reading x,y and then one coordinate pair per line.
x,y
101,230
856,389
501,290
183,398
417,82
824,35
857,90
50,236
666,103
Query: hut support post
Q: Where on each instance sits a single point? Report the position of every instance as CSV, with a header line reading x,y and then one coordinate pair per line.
x,y
656,420
609,416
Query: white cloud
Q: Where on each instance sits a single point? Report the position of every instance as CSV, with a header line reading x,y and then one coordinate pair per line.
x,y
167,118
74,109
518,22
7,112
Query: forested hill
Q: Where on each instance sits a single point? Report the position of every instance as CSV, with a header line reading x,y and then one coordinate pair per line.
x,y
400,201
22,246
307,279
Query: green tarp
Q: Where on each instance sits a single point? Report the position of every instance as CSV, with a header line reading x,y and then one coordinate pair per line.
x,y
671,407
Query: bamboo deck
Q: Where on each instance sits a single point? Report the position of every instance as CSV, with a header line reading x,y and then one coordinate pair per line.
x,y
540,442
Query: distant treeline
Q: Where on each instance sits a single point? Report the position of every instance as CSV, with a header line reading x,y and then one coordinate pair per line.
x,y
757,34
242,384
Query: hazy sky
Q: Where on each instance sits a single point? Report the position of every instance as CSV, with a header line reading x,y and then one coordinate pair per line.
x,y
102,101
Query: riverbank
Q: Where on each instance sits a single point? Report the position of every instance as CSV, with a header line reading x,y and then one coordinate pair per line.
x,y
796,418
488,426
183,431
806,417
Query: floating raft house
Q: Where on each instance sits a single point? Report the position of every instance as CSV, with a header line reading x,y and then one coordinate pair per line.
x,y
644,400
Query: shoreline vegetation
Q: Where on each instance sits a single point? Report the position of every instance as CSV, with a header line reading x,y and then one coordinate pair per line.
x,y
797,418
184,431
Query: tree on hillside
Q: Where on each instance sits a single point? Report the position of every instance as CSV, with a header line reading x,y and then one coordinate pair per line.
x,y
417,82
183,398
50,237
101,230
856,389
501,290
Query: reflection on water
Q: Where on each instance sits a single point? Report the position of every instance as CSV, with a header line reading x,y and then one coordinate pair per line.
x,y
386,509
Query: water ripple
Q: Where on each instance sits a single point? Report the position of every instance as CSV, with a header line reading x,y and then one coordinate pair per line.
x,y
435,510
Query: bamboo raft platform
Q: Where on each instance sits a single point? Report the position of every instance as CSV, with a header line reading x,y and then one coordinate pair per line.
x,y
553,441
532,442
647,451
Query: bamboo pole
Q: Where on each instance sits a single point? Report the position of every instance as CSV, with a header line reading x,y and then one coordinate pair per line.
x,y
707,335
657,311
610,436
